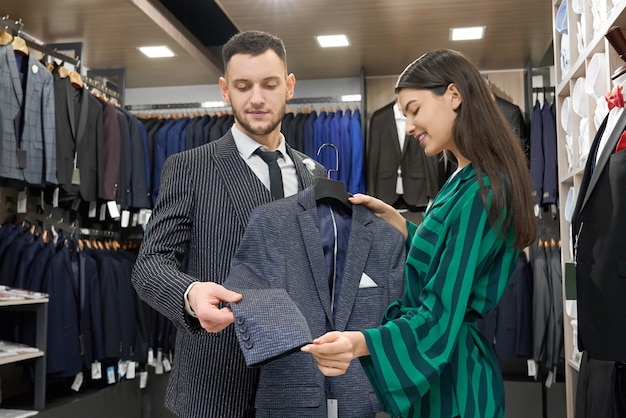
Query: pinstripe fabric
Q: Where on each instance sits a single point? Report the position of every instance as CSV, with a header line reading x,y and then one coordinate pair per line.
x,y
38,135
429,359
205,199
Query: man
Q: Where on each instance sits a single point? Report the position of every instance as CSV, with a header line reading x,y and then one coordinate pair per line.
x,y
205,199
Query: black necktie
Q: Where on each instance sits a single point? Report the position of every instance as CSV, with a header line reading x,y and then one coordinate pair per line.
x,y
276,177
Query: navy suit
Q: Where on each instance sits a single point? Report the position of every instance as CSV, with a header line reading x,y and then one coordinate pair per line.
x,y
63,352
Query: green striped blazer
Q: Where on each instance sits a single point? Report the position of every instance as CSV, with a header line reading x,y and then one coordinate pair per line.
x,y
428,358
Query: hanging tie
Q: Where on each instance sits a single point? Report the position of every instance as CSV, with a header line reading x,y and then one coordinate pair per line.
x,y
276,177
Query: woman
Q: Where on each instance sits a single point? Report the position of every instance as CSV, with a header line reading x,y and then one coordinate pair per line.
x,y
428,358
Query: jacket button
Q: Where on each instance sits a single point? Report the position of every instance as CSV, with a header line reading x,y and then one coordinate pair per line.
x,y
240,320
248,345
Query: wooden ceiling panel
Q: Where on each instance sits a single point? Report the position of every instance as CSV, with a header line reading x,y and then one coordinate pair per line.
x,y
385,35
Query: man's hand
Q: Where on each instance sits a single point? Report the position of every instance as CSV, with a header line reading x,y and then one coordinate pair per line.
x,y
204,299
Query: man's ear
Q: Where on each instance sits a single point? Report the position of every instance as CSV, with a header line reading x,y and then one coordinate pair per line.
x,y
291,83
454,95
224,89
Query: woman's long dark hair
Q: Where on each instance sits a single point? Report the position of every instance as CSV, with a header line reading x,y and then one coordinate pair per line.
x,y
483,135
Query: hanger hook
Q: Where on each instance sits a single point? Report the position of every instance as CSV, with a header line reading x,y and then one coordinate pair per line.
x,y
328,144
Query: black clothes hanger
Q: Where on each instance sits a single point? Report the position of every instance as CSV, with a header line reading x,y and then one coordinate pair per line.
x,y
327,188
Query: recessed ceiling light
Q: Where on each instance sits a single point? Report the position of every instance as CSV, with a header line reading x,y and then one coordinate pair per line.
x,y
156,51
329,41
466,34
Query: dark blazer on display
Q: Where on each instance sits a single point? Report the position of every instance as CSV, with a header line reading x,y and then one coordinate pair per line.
x,y
79,130
111,151
422,176
189,219
598,228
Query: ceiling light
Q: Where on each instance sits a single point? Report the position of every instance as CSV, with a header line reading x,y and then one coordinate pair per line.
x,y
466,34
156,51
329,41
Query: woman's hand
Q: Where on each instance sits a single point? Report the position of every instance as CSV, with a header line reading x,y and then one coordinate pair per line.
x,y
382,210
334,351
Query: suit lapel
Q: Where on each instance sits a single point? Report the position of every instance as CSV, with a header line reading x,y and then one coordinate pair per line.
x,y
82,116
234,172
359,245
305,177
603,159
33,92
70,94
314,250
15,76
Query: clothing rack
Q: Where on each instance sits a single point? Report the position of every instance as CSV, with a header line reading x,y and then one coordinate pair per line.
x,y
96,85
497,90
201,106
174,106
50,220
545,89
16,28
98,233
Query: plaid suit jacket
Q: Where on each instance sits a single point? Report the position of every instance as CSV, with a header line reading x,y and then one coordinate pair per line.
x,y
36,136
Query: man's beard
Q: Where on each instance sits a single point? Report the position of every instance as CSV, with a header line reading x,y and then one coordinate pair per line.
x,y
273,124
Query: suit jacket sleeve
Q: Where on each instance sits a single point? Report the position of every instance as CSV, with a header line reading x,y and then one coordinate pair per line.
x,y
268,324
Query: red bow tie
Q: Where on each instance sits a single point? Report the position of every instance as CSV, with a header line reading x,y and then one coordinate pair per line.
x,y
615,98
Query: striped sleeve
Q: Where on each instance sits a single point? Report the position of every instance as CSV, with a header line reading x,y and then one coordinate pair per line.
x,y
452,259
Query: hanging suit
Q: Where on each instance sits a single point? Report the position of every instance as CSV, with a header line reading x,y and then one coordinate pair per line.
x,y
598,227
79,131
111,151
282,249
422,176
27,102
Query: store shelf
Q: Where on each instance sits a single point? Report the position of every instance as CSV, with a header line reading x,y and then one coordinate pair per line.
x,y
20,357
40,307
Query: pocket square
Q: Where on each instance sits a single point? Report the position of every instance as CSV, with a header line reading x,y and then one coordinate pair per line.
x,y
366,281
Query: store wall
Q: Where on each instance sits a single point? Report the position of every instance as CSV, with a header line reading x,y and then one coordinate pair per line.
x,y
335,87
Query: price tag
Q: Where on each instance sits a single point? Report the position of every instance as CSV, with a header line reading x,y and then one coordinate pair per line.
x,y
110,375
78,382
96,370
332,408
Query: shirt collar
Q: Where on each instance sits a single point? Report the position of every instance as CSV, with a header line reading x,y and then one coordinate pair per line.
x,y
246,145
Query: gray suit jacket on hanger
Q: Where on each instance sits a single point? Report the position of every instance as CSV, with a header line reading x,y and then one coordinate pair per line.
x,y
36,136
282,250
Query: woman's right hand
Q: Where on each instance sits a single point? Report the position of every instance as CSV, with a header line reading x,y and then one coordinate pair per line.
x,y
382,210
